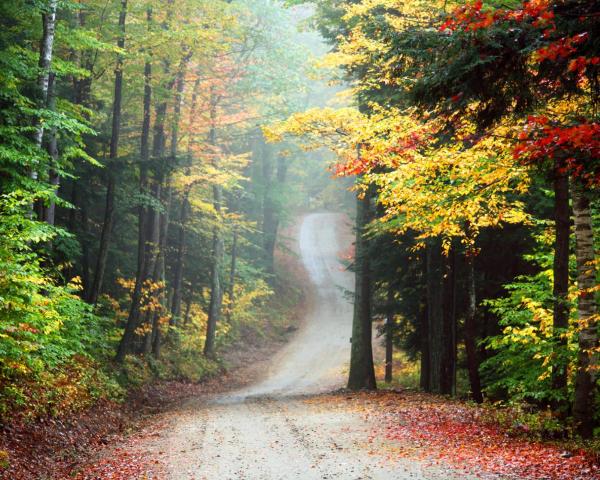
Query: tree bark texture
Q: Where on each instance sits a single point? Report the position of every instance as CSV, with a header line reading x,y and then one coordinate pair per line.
x,y
45,63
179,259
435,314
587,310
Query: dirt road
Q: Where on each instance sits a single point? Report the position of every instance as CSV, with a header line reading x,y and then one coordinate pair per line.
x,y
278,428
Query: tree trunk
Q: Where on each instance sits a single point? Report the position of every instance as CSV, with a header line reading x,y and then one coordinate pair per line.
x,y
150,271
424,327
471,331
178,277
184,212
389,336
178,273
143,169
177,102
362,373
232,273
271,207
52,147
435,321
107,225
561,286
216,296
153,220
448,364
269,214
425,362
282,168
45,62
44,85
587,309
143,214
188,308
159,274
151,254
109,213
85,249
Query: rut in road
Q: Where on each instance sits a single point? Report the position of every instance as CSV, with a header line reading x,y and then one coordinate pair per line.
x,y
273,429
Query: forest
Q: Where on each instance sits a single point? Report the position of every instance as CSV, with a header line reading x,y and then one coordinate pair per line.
x,y
156,157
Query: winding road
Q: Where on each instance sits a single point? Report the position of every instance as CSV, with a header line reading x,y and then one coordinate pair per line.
x,y
278,428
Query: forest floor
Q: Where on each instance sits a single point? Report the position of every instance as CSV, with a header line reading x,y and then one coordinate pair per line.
x,y
57,448
281,415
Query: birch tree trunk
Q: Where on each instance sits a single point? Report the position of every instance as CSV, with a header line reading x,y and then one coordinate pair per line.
x,y
45,63
587,309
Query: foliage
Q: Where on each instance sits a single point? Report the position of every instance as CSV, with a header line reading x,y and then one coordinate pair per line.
x,y
526,351
50,340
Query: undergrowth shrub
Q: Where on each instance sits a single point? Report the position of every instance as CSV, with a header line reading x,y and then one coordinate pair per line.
x,y
51,343
527,349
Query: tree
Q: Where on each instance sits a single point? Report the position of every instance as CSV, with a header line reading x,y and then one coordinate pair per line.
x,y
362,375
585,379
109,209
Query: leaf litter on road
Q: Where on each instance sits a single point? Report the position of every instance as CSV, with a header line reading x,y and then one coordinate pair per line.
x,y
445,432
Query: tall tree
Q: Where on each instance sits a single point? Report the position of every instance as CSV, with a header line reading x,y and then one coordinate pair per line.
x,y
362,373
183,216
470,335
389,336
562,222
143,212
216,292
587,309
109,209
45,63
